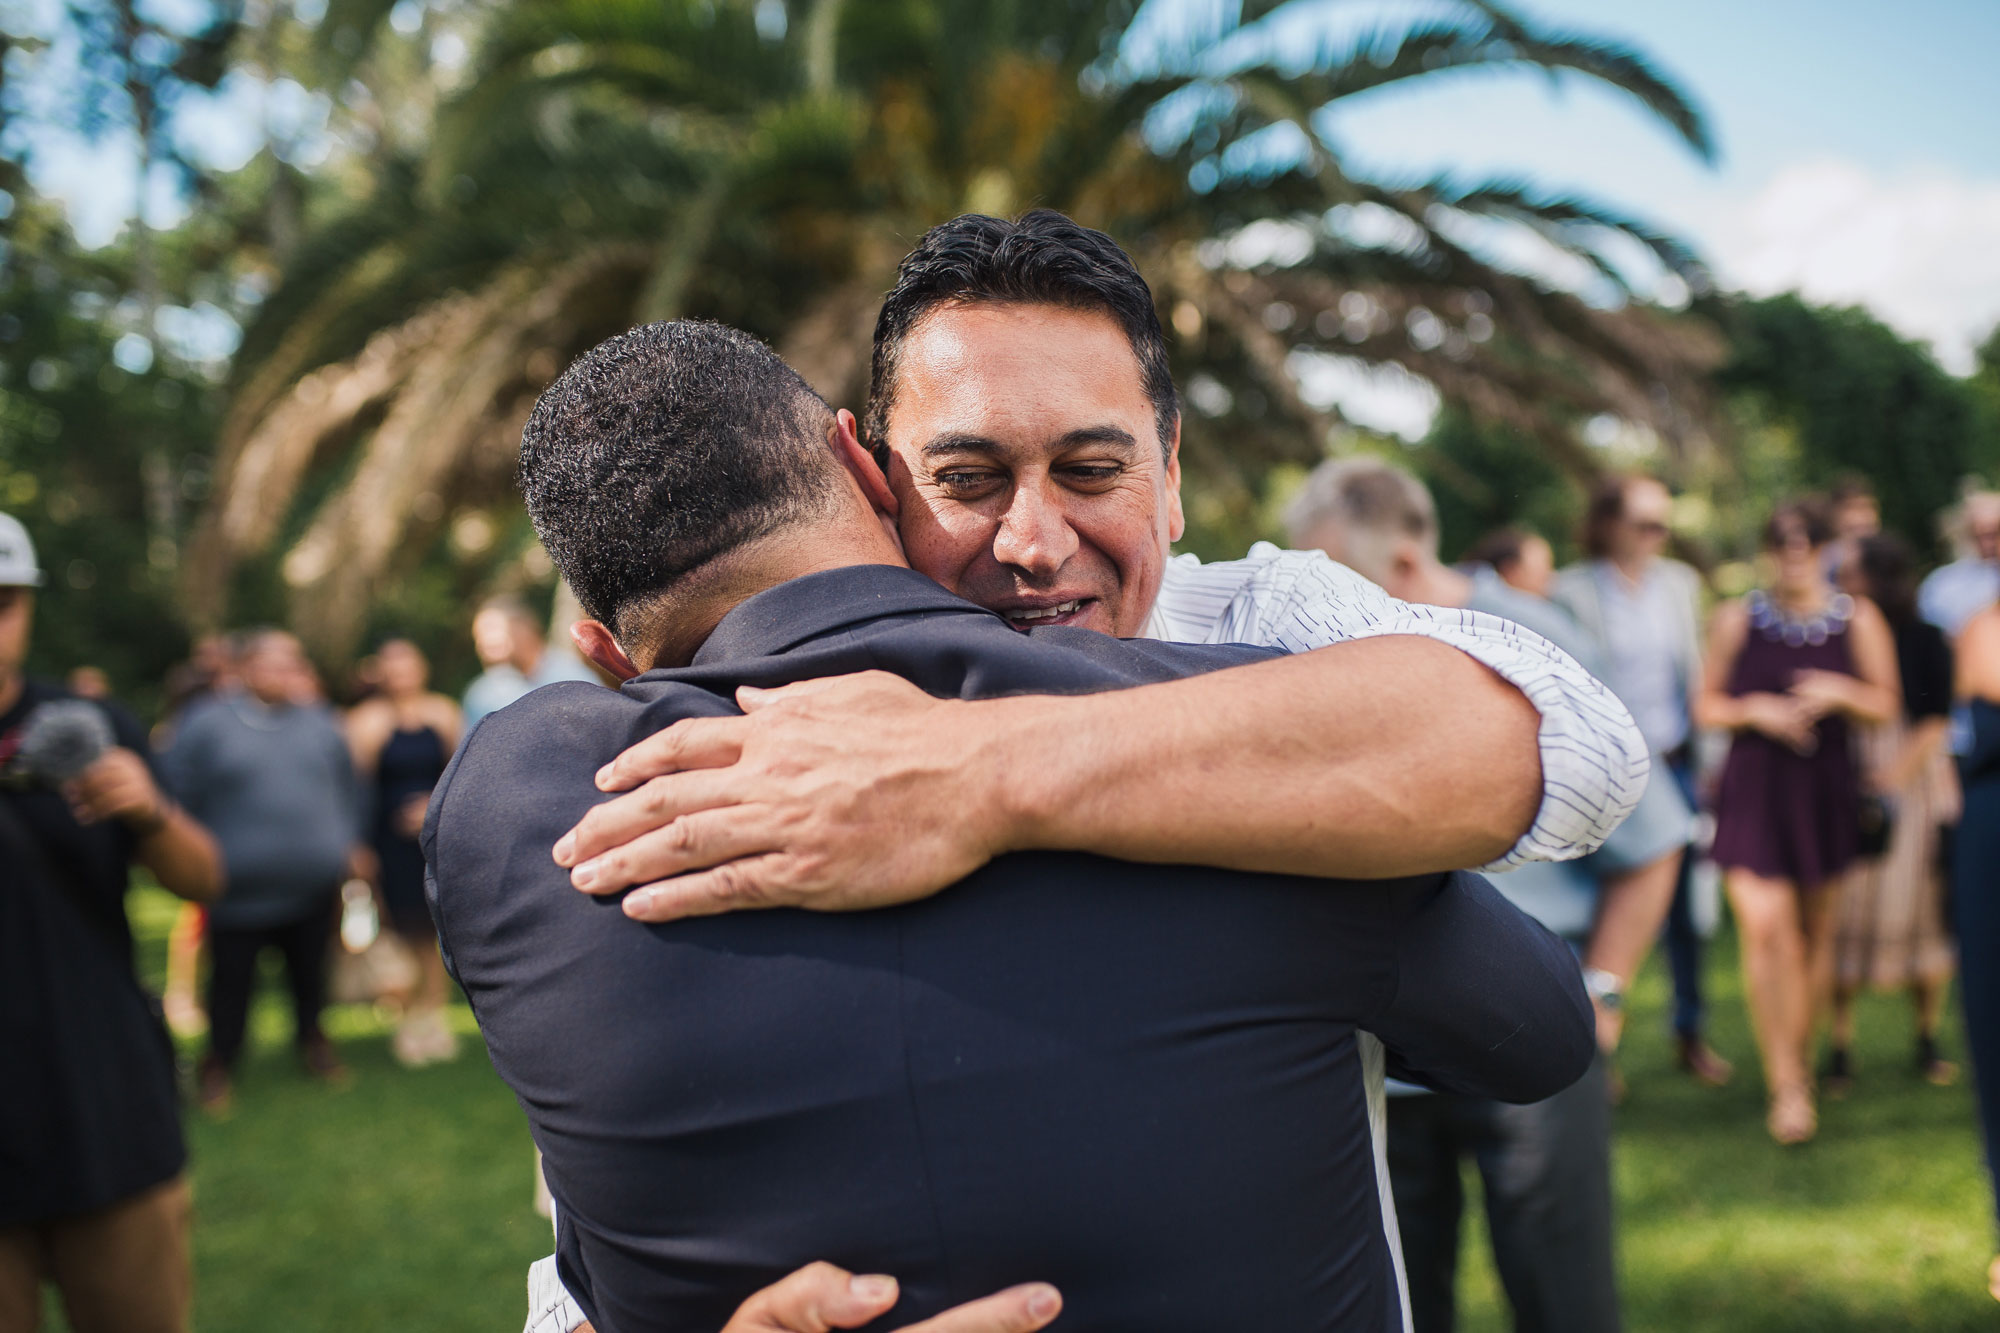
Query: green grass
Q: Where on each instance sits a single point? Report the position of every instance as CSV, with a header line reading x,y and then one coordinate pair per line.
x,y
403,1200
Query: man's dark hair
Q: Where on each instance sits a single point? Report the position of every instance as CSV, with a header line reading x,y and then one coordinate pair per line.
x,y
664,448
1042,258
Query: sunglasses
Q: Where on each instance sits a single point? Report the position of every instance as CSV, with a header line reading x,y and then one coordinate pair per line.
x,y
1648,527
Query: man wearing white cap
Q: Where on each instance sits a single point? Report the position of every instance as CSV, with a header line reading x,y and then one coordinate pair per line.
x,y
92,1194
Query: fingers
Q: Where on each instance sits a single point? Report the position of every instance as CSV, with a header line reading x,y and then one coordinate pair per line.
x,y
693,842
1019,1309
702,742
753,882
816,1299
653,805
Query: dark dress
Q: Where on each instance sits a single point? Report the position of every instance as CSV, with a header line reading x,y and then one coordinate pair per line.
x,y
1779,813
1975,900
409,765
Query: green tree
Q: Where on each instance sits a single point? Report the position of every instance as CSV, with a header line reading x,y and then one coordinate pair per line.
x,y
102,449
606,161
1854,396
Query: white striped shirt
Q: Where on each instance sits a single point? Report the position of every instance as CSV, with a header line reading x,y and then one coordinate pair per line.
x,y
1594,761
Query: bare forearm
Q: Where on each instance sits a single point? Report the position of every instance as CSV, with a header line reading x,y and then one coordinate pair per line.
x,y
1381,757
183,857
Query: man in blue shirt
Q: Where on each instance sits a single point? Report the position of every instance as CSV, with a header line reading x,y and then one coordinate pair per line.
x,y
1138,1082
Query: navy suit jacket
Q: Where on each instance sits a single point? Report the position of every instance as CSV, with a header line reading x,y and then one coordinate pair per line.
x,y
1138,1082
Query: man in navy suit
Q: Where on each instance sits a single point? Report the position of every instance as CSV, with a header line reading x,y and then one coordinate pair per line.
x,y
1138,1082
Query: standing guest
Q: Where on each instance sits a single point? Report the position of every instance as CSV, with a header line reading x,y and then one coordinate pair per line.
x,y
1956,592
1545,1167
210,667
1643,610
1890,932
1975,873
1789,666
1524,560
93,1198
401,738
271,777
508,639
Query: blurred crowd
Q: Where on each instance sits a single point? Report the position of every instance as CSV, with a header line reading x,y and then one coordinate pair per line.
x,y
1826,746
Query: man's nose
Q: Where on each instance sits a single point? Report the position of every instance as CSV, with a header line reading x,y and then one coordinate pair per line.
x,y
1034,535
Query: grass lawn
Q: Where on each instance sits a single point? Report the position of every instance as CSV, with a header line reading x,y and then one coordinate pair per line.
x,y
402,1201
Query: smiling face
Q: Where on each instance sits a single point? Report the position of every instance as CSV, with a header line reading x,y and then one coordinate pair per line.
x,y
1028,465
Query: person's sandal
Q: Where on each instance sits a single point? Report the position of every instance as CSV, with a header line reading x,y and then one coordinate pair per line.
x,y
1793,1119
1932,1067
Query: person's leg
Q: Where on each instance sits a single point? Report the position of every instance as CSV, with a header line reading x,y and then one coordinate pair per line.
x,y
232,979
1547,1173
183,1010
1683,940
1838,1074
125,1269
1778,985
1927,1002
1423,1176
24,1263
1818,912
305,943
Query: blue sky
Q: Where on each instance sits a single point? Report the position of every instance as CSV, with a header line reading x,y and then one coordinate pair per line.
x,y
1859,145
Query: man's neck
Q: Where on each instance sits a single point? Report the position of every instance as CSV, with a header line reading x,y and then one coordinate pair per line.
x,y
1631,568
688,615
11,686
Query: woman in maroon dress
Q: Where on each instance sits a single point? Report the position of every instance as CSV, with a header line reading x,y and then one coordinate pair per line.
x,y
1788,667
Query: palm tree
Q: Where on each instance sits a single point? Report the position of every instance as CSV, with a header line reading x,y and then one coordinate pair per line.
x,y
611,161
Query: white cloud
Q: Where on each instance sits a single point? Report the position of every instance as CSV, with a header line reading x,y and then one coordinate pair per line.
x,y
1921,250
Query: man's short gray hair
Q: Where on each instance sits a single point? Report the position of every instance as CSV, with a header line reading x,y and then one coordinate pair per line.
x,y
1373,503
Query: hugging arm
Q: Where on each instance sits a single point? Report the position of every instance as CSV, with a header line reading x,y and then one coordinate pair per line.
x,y
1486,1002
1396,740
1369,759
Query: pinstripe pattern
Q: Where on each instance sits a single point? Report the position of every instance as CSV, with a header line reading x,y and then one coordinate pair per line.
x,y
1594,761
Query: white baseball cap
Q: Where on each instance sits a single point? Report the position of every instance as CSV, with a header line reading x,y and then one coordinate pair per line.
x,y
17,556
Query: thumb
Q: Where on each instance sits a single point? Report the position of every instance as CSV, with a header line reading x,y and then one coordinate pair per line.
x,y
817,1299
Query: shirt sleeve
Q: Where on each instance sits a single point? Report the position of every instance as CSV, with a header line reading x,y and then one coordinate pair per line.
x,y
1594,761
1485,1001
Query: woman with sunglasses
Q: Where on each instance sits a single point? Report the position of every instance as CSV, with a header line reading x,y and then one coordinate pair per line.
x,y
1789,668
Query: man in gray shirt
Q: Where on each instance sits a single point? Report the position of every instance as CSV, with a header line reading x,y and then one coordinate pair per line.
x,y
270,777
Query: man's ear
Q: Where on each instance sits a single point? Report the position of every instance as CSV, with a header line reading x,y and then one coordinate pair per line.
x,y
594,639
845,441
1176,519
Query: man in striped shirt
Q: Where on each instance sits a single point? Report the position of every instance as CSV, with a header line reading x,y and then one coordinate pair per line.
x,y
1027,431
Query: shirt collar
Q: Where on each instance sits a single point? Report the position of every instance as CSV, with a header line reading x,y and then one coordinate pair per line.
x,y
805,608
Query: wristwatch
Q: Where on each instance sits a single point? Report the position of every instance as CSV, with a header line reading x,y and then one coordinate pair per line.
x,y
1604,987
